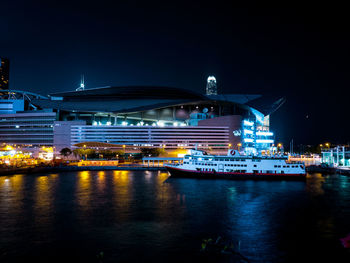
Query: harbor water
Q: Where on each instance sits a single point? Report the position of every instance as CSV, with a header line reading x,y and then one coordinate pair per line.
x,y
145,216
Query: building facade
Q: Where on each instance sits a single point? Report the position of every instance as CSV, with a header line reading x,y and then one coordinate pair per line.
x,y
215,139
138,116
338,156
27,129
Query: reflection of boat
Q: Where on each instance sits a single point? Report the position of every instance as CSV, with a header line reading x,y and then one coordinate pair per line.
x,y
235,166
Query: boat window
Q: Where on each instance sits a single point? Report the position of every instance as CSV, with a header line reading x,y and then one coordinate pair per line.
x,y
255,165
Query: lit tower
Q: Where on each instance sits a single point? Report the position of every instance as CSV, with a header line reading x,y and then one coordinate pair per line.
x,y
4,73
211,86
82,85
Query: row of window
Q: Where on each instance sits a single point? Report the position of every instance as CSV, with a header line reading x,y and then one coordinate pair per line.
x,y
286,166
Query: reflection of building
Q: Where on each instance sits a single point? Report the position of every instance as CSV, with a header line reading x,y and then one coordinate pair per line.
x,y
139,117
4,73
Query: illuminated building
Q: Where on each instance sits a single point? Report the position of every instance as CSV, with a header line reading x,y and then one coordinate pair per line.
x,y
4,73
338,156
211,86
138,116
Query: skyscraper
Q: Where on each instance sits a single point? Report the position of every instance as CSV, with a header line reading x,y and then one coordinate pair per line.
x,y
82,84
211,86
4,73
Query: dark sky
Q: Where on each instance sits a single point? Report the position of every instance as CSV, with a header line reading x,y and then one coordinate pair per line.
x,y
301,52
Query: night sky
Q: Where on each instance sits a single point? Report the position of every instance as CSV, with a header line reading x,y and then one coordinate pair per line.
x,y
300,52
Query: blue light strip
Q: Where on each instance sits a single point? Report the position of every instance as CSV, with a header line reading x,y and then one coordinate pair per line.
x,y
248,123
264,141
262,133
248,131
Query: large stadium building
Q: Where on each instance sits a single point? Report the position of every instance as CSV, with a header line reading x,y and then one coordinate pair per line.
x,y
138,116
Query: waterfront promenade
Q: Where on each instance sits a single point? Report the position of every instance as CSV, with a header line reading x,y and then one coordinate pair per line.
x,y
10,171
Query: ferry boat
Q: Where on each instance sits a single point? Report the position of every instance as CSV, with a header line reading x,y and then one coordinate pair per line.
x,y
198,164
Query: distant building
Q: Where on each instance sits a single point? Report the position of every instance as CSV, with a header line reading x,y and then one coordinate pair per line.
x,y
138,116
82,84
211,86
4,73
337,157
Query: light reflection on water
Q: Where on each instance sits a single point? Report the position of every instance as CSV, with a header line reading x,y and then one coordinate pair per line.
x,y
84,190
132,214
122,194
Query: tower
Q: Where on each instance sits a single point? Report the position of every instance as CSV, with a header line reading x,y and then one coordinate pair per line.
x,y
82,85
211,86
4,73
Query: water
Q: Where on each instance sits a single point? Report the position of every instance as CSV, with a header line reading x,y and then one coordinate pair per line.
x,y
148,217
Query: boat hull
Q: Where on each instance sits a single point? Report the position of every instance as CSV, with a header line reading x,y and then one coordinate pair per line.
x,y
183,173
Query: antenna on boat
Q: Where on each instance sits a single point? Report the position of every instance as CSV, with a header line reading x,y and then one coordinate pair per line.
x,y
195,146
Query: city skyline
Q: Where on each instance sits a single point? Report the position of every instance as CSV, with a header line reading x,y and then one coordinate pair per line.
x,y
283,52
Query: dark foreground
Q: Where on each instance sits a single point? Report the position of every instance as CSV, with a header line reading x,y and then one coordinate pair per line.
x,y
142,216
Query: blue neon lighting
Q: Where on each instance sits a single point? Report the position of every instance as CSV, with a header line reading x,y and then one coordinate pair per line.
x,y
248,131
264,141
248,123
262,133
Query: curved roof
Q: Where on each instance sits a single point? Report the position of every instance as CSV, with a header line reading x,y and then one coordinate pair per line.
x,y
131,92
12,92
139,98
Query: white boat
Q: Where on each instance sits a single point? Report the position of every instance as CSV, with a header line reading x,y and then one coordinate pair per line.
x,y
199,164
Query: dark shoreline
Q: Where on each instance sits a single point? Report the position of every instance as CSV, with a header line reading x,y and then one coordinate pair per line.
x,y
4,172
326,170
